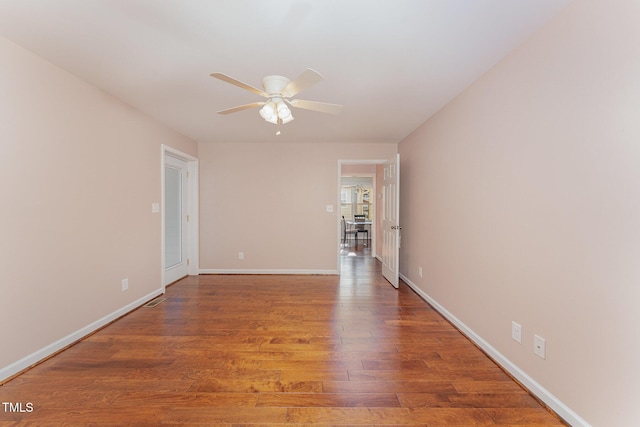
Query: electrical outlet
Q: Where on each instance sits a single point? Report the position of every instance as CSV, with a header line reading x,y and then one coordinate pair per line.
x,y
516,332
240,255
125,284
539,345
420,271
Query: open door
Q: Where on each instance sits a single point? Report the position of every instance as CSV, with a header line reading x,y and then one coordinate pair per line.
x,y
390,218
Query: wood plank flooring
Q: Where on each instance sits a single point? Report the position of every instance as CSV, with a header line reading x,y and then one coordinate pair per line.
x,y
276,351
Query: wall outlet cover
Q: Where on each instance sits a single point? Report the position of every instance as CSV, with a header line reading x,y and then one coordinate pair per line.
x,y
539,346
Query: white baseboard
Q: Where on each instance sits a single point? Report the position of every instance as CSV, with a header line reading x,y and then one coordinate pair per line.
x,y
534,387
54,347
266,271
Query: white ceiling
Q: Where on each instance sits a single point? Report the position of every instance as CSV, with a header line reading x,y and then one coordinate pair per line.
x,y
391,63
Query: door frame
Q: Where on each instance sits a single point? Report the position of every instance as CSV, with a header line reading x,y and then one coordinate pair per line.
x,y
342,162
193,254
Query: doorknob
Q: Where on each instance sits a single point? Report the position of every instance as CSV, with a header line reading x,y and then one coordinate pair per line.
x,y
396,227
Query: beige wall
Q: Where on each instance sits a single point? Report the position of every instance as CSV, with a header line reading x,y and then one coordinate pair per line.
x,y
79,171
268,200
349,169
521,201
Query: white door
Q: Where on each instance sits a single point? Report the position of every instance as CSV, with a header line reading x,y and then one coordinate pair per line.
x,y
175,219
390,218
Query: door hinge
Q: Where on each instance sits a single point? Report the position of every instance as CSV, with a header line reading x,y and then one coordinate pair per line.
x,y
187,218
187,261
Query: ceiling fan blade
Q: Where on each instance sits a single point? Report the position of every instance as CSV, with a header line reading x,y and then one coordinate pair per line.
x,y
241,107
307,78
323,107
235,82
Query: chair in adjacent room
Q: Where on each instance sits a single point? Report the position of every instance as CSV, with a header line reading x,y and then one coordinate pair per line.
x,y
346,232
361,228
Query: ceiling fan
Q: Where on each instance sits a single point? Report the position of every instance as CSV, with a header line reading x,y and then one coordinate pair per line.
x,y
279,90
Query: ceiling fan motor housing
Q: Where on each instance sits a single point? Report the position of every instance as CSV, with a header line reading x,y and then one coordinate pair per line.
x,y
273,85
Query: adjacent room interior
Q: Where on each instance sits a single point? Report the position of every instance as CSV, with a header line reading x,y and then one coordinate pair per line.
x,y
358,201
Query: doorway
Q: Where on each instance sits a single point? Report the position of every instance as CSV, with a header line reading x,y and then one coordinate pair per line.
x,y
383,208
179,210
358,194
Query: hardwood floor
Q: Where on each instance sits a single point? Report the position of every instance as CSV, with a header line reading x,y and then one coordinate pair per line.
x,y
350,248
277,351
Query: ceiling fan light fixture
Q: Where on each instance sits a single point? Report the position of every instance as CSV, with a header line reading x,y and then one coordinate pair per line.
x,y
283,111
285,120
276,111
268,112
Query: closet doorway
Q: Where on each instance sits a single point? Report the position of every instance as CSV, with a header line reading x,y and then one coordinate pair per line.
x,y
179,209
